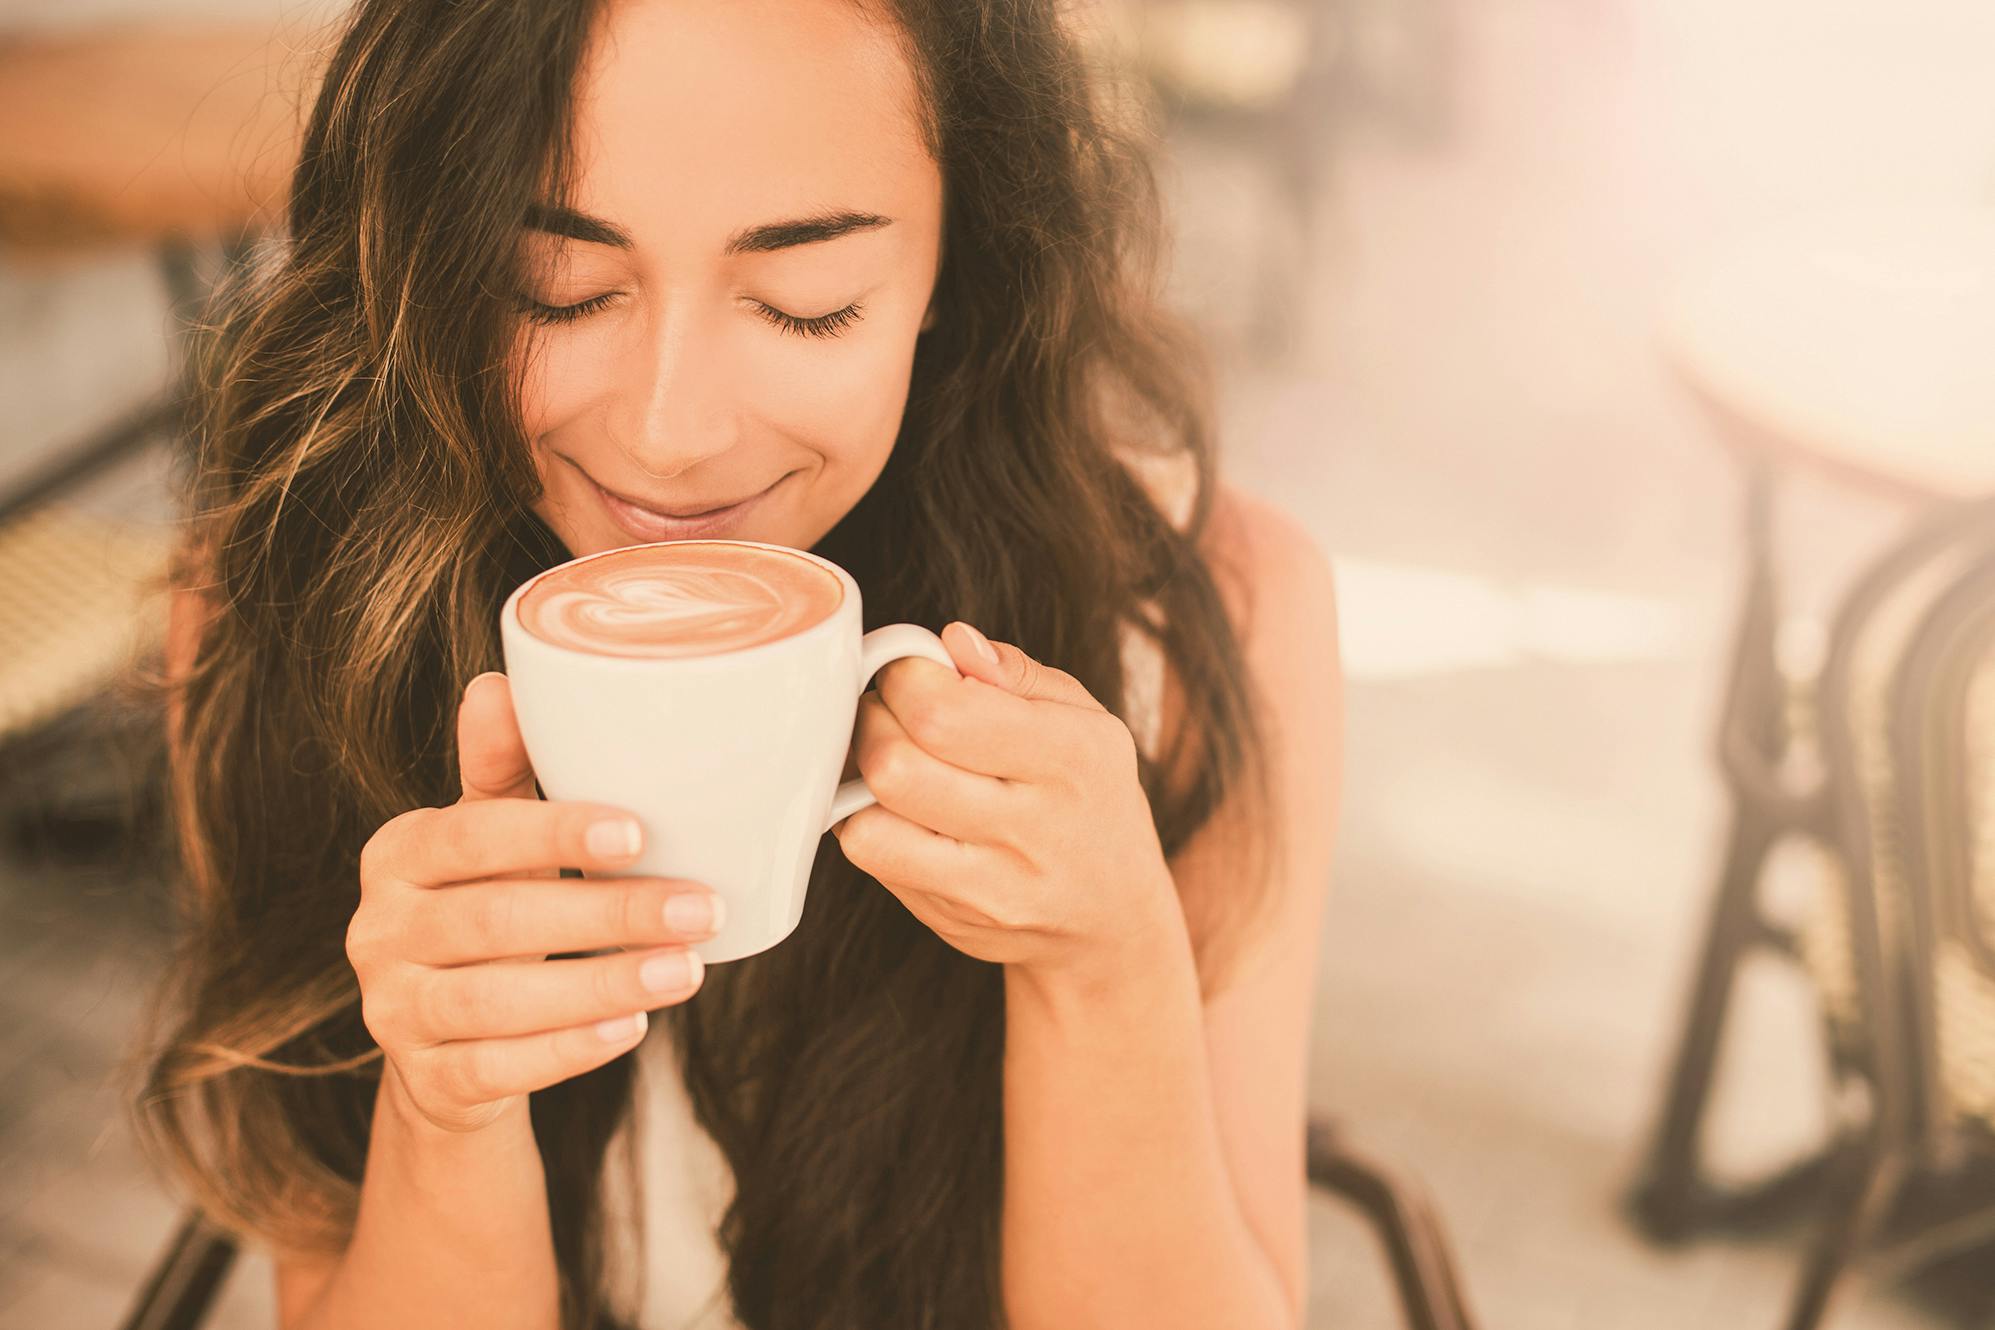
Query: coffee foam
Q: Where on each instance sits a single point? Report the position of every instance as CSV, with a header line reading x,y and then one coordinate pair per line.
x,y
682,598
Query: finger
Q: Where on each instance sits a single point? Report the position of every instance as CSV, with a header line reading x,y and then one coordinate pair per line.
x,y
922,787
540,917
489,1001
981,727
485,838
480,1070
491,755
880,841
1014,671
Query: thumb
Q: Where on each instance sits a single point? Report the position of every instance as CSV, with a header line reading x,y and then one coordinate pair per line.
x,y
491,755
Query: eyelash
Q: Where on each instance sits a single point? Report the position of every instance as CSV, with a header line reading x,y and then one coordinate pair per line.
x,y
540,313
825,325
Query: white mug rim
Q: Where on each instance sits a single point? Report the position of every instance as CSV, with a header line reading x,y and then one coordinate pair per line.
x,y
510,621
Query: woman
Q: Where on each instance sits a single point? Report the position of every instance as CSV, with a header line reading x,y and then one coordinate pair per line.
x,y
1035,1054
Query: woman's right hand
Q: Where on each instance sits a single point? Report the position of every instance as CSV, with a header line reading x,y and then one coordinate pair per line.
x,y
461,906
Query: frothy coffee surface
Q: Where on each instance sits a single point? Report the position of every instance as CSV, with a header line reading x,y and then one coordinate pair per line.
x,y
681,598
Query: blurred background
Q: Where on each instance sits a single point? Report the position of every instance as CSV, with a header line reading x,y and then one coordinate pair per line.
x,y
1632,360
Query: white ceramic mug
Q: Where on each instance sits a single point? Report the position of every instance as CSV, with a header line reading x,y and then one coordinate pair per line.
x,y
730,760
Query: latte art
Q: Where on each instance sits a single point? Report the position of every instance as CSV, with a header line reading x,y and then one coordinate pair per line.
x,y
681,598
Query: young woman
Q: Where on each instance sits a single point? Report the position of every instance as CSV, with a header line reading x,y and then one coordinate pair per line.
x,y
875,280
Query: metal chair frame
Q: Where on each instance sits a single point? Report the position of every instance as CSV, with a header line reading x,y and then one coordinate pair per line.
x,y
1431,1292
1673,1196
161,414
1930,715
1935,1143
181,1288
1869,1164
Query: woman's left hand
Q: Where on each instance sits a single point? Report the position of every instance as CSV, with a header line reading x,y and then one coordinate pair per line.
x,y
1010,817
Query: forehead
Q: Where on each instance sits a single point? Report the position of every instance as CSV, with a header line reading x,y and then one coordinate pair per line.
x,y
695,117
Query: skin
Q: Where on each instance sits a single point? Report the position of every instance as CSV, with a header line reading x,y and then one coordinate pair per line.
x,y
1150,1127
681,388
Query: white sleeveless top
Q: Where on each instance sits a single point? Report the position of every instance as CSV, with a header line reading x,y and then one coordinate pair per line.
x,y
686,1181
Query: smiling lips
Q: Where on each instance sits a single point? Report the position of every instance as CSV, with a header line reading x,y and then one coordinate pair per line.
x,y
650,524
673,512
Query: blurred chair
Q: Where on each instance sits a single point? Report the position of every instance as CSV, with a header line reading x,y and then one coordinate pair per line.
x,y
1254,76
177,140
1395,67
1909,1015
1431,1295
185,1279
1852,344
189,1271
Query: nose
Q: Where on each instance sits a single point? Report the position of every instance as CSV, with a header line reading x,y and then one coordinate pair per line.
x,y
672,409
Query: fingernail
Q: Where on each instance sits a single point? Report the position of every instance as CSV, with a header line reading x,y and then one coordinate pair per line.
x,y
615,836
982,644
474,682
619,1028
672,970
694,912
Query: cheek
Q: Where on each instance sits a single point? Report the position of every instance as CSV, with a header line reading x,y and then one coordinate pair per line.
x,y
556,385
844,403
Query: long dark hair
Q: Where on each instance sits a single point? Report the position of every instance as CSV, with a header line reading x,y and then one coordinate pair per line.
x,y
360,506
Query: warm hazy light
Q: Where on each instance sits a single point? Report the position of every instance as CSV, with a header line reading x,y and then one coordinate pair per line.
x,y
1400,622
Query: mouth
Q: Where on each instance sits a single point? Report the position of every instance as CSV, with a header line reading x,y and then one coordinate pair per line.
x,y
651,524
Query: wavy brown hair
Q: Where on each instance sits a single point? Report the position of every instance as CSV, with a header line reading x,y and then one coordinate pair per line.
x,y
359,502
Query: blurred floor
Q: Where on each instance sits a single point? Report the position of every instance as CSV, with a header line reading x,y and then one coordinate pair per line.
x,y
1537,564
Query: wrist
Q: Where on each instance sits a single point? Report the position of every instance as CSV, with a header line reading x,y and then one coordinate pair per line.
x,y
399,1113
1130,963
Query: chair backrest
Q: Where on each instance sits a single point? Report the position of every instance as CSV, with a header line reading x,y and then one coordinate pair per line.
x,y
1944,754
1885,908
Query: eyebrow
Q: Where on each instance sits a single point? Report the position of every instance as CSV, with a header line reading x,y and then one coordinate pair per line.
x,y
761,239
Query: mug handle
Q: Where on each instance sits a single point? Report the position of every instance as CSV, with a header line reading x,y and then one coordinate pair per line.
x,y
877,650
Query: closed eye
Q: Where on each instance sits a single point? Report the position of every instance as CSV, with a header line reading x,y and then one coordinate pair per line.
x,y
540,313
824,325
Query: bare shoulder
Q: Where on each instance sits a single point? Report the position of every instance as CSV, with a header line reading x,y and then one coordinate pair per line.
x,y
1258,987
1277,584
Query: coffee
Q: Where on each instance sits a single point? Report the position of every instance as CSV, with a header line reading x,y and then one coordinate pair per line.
x,y
679,598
